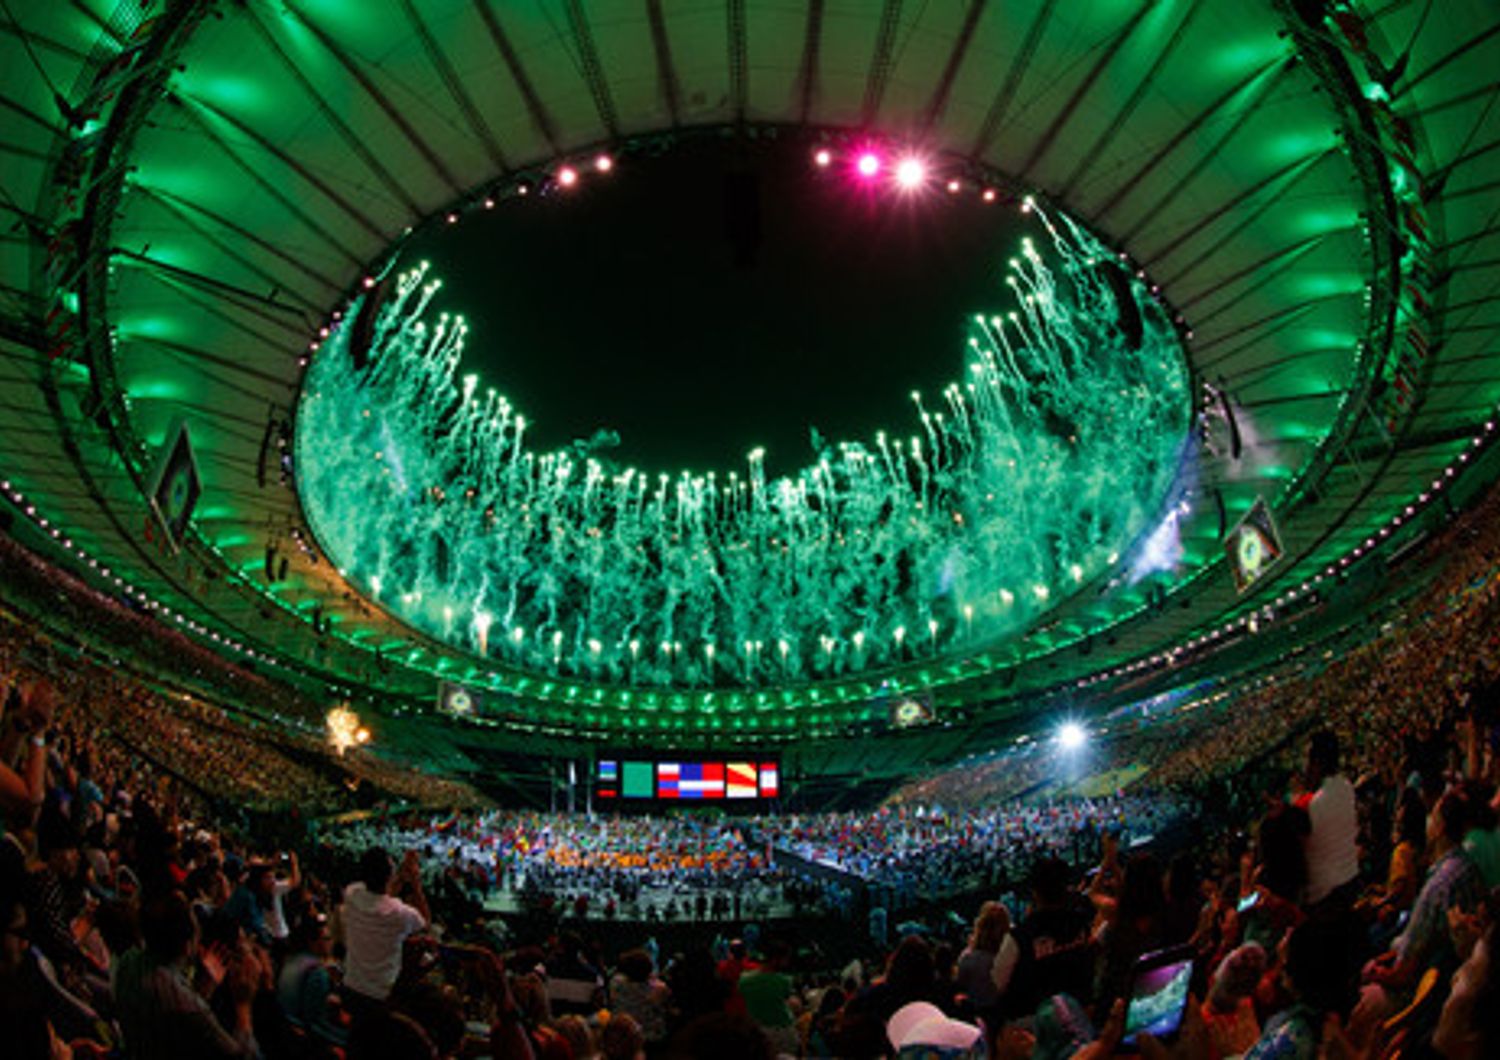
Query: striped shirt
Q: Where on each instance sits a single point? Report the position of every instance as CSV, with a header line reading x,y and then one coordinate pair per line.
x,y
164,1018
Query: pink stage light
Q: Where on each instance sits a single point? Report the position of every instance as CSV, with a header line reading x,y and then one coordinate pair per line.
x,y
868,164
954,186
823,157
604,163
567,176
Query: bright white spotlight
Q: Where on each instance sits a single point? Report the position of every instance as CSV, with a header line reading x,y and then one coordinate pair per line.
x,y
868,164
1070,736
604,163
567,176
910,173
823,156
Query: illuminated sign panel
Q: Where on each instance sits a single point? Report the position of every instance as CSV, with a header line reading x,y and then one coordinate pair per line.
x,y
684,780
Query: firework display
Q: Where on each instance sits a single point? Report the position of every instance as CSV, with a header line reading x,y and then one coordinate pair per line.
x,y
1018,485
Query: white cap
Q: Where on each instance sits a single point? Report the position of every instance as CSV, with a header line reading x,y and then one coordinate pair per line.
x,y
923,1023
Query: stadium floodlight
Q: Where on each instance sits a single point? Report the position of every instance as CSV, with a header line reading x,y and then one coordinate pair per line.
x,y
911,173
1071,736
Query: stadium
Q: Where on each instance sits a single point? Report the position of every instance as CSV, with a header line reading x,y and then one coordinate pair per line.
x,y
813,528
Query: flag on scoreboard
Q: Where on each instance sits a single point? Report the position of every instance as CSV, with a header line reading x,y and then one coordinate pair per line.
x,y
739,781
668,780
609,778
637,780
769,785
702,780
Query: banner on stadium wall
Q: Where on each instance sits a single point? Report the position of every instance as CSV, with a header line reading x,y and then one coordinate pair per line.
x,y
1253,546
461,701
175,485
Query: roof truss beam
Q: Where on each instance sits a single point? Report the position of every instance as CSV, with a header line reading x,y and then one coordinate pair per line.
x,y
1122,116
541,118
807,71
592,69
278,194
666,71
362,78
455,86
879,74
1060,120
355,143
1183,135
938,101
994,118
739,74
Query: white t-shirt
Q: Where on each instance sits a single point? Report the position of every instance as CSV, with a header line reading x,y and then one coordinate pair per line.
x,y
375,926
1005,963
1331,847
276,915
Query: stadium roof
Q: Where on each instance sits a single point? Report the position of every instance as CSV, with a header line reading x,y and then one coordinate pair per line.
x,y
192,188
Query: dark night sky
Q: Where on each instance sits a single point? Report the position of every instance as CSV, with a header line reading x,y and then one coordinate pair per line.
x,y
644,302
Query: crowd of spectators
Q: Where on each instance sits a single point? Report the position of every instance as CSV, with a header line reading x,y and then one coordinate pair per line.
x,y
271,757
212,753
120,626
126,725
645,868
136,927
698,867
1405,683
1408,685
934,852
408,783
1351,915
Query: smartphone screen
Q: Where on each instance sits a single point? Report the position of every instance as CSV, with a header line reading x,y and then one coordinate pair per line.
x,y
1248,902
1159,994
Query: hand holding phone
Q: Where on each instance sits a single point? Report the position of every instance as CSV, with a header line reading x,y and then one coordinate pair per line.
x,y
1192,1038
1158,995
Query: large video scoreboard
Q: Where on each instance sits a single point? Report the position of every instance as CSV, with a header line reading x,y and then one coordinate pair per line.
x,y
682,779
